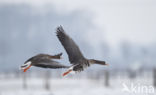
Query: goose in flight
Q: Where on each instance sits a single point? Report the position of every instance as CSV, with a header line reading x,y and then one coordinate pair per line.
x,y
76,58
44,61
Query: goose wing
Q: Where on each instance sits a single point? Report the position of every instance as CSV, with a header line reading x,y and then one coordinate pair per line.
x,y
50,64
70,46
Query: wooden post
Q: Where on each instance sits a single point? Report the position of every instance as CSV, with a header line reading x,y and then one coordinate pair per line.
x,y
47,80
154,77
106,78
24,77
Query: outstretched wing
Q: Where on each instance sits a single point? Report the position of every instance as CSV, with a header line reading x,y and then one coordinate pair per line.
x,y
70,46
50,64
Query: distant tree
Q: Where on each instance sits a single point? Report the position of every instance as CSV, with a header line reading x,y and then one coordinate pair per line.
x,y
132,74
4,50
105,49
126,50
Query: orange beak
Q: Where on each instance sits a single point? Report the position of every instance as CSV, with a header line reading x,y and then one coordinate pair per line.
x,y
26,68
64,74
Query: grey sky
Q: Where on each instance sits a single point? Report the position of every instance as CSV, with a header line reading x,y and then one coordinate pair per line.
x,y
99,27
118,20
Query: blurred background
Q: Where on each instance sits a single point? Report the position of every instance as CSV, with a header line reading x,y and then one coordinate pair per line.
x,y
121,32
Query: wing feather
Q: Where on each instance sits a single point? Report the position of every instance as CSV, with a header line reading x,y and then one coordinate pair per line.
x,y
50,64
70,46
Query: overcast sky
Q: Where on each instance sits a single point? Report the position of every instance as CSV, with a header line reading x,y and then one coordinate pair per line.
x,y
104,26
118,20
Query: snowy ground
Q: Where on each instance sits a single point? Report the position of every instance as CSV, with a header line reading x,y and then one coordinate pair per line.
x,y
74,86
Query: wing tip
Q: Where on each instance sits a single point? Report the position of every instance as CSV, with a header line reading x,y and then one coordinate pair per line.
x,y
60,33
59,29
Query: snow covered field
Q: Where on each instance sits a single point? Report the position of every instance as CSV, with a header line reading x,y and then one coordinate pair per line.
x,y
76,86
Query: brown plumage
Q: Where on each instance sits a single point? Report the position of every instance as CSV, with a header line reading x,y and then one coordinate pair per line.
x,y
75,56
44,61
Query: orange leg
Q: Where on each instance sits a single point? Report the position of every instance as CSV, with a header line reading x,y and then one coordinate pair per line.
x,y
27,68
64,74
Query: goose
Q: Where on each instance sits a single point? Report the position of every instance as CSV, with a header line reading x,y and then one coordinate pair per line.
x,y
44,61
75,56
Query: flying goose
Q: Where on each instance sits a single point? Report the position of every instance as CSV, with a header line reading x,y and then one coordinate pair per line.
x,y
44,61
76,58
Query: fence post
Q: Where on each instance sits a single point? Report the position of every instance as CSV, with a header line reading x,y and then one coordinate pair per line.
x,y
106,83
47,80
154,77
24,77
